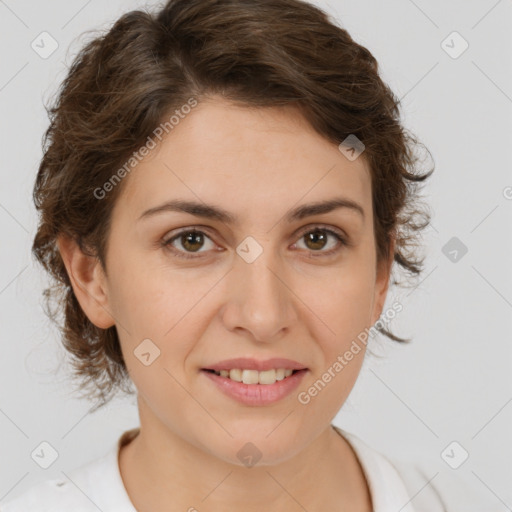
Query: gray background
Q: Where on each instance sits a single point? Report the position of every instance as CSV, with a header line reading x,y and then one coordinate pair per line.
x,y
451,384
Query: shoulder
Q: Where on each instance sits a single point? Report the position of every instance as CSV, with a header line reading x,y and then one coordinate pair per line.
x,y
77,490
394,483
387,488
422,484
96,485
52,495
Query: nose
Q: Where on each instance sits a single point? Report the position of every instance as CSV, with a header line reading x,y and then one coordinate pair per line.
x,y
259,300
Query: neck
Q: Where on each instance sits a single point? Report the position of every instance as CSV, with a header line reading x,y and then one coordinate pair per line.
x,y
161,470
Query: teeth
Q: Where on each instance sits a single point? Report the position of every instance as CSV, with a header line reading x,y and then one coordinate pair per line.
x,y
280,374
267,377
254,376
235,375
249,376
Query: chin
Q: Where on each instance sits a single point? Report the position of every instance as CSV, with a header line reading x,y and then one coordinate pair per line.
x,y
256,449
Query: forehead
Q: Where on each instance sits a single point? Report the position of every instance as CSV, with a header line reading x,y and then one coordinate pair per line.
x,y
253,161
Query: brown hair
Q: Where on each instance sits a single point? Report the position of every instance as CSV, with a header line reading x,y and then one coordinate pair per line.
x,y
260,53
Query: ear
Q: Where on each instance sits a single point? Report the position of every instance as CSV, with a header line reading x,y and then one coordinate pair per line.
x,y
382,281
88,281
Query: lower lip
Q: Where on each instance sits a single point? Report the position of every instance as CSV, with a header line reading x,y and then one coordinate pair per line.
x,y
257,394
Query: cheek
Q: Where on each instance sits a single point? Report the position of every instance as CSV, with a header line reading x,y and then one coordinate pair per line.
x,y
144,297
342,320
342,303
165,306
343,352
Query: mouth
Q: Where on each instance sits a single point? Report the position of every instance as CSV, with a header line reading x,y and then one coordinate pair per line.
x,y
255,388
253,377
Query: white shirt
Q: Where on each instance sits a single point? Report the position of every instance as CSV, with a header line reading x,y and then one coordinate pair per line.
x,y
98,485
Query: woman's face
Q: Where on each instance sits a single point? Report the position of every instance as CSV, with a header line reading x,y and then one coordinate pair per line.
x,y
261,286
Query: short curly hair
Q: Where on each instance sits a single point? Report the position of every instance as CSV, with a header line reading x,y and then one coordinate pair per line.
x,y
258,53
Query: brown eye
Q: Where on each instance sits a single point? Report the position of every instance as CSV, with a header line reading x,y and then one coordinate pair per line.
x,y
191,241
317,239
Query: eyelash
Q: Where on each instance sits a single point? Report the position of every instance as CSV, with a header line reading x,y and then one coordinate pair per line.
x,y
338,235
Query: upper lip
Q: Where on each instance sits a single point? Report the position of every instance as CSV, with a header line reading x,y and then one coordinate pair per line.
x,y
246,363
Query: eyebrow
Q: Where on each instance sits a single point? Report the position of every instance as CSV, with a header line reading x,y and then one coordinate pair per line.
x,y
216,213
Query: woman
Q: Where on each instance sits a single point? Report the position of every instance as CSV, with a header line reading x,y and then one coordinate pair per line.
x,y
224,189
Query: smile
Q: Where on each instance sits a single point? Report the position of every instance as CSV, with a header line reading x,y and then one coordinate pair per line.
x,y
254,376
252,387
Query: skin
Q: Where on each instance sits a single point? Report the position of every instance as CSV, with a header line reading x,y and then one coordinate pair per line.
x,y
257,164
